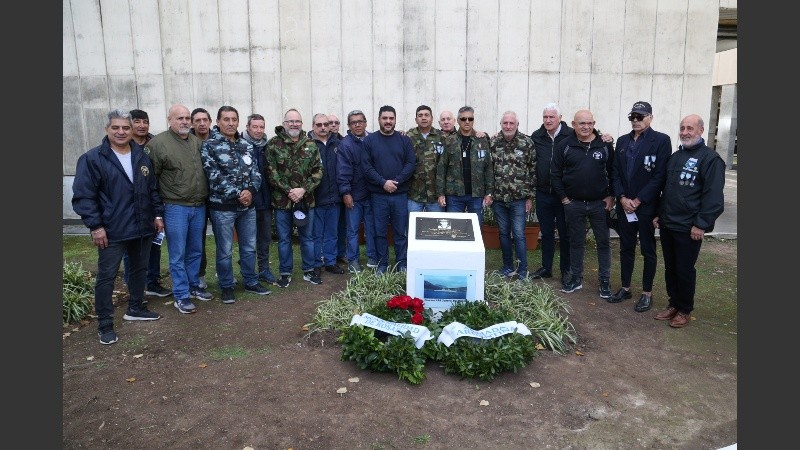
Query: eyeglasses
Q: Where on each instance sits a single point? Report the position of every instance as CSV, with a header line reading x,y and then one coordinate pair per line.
x,y
322,124
334,122
357,122
638,117
293,122
464,119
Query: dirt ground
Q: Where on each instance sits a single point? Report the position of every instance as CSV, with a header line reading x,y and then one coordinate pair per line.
x,y
246,375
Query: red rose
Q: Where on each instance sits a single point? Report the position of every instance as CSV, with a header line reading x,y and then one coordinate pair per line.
x,y
417,305
417,319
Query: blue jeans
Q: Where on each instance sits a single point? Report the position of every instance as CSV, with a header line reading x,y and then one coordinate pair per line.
x,y
576,213
550,212
184,227
390,208
153,266
361,211
415,206
465,203
341,240
284,222
108,260
510,218
263,239
326,234
223,224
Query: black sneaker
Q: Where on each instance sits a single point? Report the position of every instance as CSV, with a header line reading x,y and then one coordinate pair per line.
x,y
312,277
107,337
342,260
142,314
334,268
227,296
157,290
284,281
354,267
200,293
605,289
572,285
258,289
372,264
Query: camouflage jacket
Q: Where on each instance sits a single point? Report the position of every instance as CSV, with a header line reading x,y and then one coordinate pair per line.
x,y
231,168
514,167
450,174
423,181
292,164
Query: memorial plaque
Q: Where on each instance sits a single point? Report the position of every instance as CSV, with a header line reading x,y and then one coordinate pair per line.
x,y
444,229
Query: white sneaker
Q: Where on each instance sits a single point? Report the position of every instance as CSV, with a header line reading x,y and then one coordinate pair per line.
x,y
202,284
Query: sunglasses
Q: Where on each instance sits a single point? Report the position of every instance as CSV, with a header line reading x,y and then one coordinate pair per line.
x,y
322,124
464,119
638,117
334,122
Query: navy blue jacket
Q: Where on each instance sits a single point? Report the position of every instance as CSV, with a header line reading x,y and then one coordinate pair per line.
x,y
581,173
327,191
389,158
649,173
104,196
261,198
350,169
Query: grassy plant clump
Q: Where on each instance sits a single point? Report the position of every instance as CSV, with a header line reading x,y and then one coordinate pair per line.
x,y
78,297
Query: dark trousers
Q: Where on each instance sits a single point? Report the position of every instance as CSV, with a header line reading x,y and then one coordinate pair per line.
x,y
550,213
153,266
203,260
680,253
108,261
628,232
576,213
263,239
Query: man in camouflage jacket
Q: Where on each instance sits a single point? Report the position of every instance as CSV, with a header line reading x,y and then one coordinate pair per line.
x,y
514,159
294,170
428,143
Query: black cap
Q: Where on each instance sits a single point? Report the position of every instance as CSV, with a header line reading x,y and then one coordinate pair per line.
x,y
301,213
642,108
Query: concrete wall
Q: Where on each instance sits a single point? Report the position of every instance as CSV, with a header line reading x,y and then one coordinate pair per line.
x,y
267,56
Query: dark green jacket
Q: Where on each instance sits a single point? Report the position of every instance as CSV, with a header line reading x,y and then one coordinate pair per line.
x,y
427,150
450,174
179,168
290,165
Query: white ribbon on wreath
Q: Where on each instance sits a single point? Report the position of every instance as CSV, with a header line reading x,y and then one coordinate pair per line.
x,y
419,333
455,330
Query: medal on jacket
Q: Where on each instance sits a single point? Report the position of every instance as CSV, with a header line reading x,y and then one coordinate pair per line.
x,y
247,160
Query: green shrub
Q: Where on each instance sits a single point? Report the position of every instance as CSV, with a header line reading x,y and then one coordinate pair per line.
x,y
78,300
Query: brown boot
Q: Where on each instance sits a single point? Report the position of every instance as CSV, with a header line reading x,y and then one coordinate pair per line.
x,y
666,314
680,320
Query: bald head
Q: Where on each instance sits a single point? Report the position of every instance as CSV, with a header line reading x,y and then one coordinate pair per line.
x,y
583,123
447,121
179,120
691,130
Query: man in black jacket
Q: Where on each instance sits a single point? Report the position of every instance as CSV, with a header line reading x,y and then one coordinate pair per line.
x,y
115,193
582,180
640,165
690,204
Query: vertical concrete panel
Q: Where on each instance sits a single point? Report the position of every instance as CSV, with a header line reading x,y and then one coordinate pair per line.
x,y
482,44
608,39
122,92
419,57
574,93
89,45
512,87
117,37
387,60
542,89
146,32
640,25
604,101
716,93
670,42
235,56
296,58
513,52
176,47
701,37
726,128
205,49
265,61
451,55
696,98
208,92
357,82
150,89
576,38
666,105
95,119
326,57
450,93
66,197
73,140
69,57
545,37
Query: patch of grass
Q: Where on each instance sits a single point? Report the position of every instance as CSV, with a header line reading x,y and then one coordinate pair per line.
x,y
133,342
78,292
229,352
422,439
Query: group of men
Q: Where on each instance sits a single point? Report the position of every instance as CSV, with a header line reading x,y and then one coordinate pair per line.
x,y
330,186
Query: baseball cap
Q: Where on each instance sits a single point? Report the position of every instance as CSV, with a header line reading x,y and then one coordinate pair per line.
x,y
300,213
642,108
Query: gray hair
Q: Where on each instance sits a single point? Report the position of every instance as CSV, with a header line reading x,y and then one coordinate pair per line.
x,y
355,112
552,107
118,114
466,109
